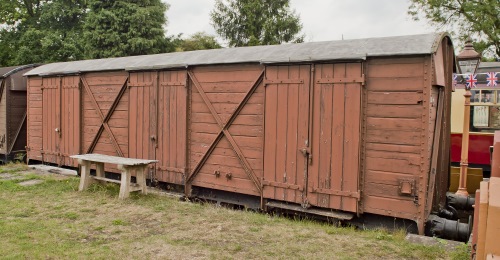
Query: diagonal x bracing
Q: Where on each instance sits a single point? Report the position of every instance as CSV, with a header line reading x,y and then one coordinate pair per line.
x,y
224,131
104,119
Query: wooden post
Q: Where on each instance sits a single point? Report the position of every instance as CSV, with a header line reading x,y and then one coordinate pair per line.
x,y
141,178
99,170
462,184
491,244
483,217
475,225
125,182
495,160
85,179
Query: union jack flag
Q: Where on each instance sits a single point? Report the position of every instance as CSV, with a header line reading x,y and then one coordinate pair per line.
x,y
492,79
471,81
455,76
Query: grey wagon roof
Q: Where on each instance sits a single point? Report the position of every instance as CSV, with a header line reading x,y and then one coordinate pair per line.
x,y
358,49
7,71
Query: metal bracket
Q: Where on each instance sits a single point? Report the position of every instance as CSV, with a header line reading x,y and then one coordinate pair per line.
x,y
360,79
283,81
406,187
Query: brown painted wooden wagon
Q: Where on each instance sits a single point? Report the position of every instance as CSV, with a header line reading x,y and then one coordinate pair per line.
x,y
13,112
340,128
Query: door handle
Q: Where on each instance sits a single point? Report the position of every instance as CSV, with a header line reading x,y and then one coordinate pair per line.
x,y
307,153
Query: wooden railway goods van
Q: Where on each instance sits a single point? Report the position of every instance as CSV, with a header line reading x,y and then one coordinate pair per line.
x,y
13,112
336,128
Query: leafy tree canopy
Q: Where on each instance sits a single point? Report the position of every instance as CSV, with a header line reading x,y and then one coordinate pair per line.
x,y
41,31
16,11
464,18
256,22
125,28
198,41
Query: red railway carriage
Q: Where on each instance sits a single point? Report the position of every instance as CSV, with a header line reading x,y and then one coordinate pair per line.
x,y
339,129
485,119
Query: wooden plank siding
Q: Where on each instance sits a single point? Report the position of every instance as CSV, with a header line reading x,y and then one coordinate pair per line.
x,y
171,112
444,67
287,132
35,103
51,118
336,116
397,137
104,88
70,143
13,112
15,119
225,87
3,116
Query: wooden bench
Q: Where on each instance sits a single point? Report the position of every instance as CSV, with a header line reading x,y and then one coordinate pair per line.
x,y
125,165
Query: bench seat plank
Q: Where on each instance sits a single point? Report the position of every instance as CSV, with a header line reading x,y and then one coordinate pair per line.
x,y
126,165
112,159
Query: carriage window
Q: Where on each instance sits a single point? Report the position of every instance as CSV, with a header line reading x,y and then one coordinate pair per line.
x,y
484,96
485,110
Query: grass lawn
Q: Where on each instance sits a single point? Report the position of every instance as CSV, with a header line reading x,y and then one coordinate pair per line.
x,y
52,220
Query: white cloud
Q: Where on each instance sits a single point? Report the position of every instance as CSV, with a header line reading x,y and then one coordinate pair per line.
x,y
323,20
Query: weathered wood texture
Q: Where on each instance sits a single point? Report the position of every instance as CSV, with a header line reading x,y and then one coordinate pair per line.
x,y
16,121
172,126
58,116
287,132
398,134
313,143
443,64
338,136
105,114
336,126
126,165
157,122
226,155
35,119
102,158
51,124
70,122
12,114
3,116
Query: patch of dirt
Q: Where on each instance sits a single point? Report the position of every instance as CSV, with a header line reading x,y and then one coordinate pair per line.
x,y
30,182
8,176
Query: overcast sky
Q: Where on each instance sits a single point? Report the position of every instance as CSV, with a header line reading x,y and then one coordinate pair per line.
x,y
323,20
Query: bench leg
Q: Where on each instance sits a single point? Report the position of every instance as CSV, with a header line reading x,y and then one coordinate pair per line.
x,y
141,178
99,170
125,184
85,179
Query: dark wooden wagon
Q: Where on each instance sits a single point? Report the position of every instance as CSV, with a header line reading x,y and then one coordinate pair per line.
x,y
13,112
337,128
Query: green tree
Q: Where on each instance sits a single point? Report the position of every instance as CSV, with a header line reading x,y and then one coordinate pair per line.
x,y
41,31
15,11
256,22
465,18
198,41
125,28
8,45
